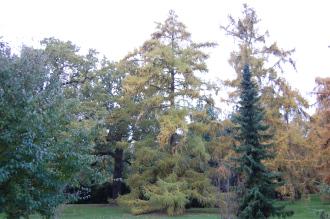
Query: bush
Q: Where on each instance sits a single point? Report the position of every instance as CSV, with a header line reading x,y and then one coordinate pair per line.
x,y
323,214
324,192
162,196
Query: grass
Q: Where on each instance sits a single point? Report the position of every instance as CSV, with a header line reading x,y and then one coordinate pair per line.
x,y
304,209
92,212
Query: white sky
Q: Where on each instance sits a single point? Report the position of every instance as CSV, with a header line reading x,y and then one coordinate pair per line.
x,y
116,27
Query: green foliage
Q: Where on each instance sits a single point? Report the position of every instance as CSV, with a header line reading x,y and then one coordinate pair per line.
x,y
325,191
259,183
170,167
284,106
168,195
41,153
322,214
68,119
161,181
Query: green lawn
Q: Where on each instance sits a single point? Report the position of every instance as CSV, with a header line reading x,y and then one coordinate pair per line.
x,y
304,209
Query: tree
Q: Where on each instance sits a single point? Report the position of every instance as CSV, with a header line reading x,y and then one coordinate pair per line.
x,y
117,122
319,134
255,147
98,87
323,111
169,169
41,153
80,79
284,106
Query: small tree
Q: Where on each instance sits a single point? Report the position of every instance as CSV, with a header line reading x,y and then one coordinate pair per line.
x,y
259,183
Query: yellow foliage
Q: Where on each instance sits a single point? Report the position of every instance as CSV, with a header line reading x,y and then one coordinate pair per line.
x,y
170,123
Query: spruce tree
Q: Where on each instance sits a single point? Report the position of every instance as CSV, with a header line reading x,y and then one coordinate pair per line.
x,y
285,108
259,183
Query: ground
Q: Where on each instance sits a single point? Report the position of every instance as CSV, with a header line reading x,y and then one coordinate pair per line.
x,y
304,209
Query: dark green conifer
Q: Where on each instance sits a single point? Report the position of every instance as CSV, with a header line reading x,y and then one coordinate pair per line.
x,y
259,183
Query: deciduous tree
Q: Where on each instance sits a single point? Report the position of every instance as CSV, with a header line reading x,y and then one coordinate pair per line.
x,y
41,152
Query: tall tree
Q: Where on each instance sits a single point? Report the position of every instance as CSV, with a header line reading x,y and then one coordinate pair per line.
x,y
98,87
284,106
80,79
41,152
319,134
117,122
322,114
254,147
169,169
169,63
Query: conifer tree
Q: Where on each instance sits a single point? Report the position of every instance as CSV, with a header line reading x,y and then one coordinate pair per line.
x,y
319,135
284,106
259,183
170,163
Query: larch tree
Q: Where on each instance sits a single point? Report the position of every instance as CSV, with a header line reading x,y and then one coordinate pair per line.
x,y
284,106
259,183
319,134
169,169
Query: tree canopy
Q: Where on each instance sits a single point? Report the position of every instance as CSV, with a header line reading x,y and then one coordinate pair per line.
x,y
148,132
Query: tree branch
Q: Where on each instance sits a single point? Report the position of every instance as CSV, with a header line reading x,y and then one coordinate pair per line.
x,y
104,153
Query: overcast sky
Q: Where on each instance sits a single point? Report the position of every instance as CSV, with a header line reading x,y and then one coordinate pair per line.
x,y
116,27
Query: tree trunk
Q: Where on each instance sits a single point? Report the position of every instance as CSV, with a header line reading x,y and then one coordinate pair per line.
x,y
172,72
118,173
172,88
